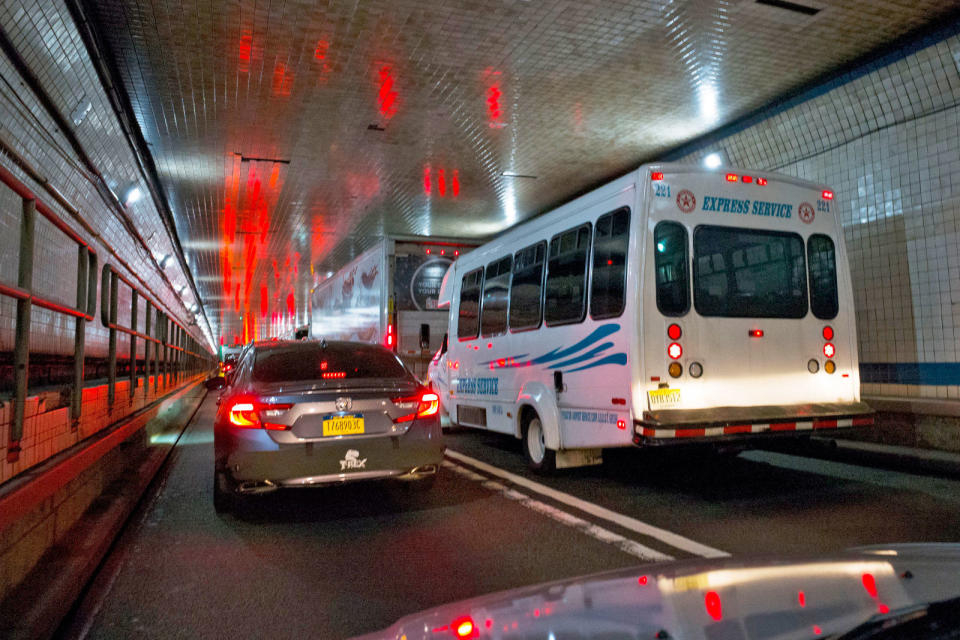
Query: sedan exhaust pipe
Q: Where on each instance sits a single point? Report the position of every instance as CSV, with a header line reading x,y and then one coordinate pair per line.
x,y
256,487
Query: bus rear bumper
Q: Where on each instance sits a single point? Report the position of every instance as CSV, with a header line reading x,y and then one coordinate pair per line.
x,y
728,424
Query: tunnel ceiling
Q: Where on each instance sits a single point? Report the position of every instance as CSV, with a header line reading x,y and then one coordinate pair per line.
x,y
288,135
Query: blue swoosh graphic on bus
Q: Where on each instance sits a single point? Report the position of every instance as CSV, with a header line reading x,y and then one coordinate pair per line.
x,y
572,355
615,358
522,355
582,357
599,334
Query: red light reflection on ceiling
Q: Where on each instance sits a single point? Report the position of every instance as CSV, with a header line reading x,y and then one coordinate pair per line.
x,y
386,96
282,80
441,182
245,50
264,301
493,96
291,304
443,185
320,53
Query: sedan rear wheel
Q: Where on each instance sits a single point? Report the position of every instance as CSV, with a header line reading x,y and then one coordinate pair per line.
x,y
539,458
224,500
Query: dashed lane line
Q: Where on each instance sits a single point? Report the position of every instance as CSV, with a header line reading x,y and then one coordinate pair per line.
x,y
599,533
632,524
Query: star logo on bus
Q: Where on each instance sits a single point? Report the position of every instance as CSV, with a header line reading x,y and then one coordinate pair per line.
x,y
686,201
805,211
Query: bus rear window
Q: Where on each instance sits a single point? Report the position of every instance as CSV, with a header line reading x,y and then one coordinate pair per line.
x,y
670,260
748,273
821,258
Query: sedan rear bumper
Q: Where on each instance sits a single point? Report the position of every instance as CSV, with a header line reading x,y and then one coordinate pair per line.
x,y
256,464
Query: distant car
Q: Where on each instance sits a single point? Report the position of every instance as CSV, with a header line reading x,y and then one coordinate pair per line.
x,y
310,413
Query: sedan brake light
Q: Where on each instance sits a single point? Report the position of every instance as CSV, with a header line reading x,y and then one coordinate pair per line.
x,y
249,415
428,404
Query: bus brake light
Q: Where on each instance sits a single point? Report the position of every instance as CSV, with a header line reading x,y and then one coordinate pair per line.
x,y
674,332
656,175
762,182
674,350
756,333
732,177
747,179
827,194
828,333
829,350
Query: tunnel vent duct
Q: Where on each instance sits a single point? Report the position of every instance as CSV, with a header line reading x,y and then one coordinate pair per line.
x,y
790,6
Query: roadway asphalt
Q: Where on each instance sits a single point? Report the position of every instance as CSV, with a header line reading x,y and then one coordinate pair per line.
x,y
332,563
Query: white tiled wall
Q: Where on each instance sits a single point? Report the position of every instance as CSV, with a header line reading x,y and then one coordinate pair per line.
x,y
888,142
44,35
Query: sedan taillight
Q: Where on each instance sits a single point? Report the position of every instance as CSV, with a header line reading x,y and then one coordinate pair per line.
x,y
247,415
428,404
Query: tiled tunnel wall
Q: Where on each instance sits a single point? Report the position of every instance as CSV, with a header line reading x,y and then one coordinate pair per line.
x,y
886,137
46,38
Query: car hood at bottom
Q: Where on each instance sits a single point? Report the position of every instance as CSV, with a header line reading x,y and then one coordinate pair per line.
x,y
724,599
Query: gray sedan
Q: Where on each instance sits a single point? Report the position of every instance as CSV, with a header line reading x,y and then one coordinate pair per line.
x,y
298,414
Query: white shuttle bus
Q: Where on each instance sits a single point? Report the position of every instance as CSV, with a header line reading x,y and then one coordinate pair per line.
x,y
672,305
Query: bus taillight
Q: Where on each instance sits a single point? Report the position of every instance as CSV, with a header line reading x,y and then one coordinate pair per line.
x,y
747,179
656,175
762,182
829,350
674,332
732,177
827,194
828,333
674,350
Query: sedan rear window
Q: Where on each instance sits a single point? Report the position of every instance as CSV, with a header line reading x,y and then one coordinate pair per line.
x,y
331,361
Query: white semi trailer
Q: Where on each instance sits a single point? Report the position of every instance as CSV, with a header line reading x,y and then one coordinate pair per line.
x,y
388,295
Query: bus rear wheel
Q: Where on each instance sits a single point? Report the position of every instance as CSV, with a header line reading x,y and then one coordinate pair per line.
x,y
540,459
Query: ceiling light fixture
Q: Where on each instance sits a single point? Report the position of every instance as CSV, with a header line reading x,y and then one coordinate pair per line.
x,y
712,160
513,174
130,194
164,260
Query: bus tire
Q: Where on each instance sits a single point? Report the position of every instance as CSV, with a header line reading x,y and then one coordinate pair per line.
x,y
540,459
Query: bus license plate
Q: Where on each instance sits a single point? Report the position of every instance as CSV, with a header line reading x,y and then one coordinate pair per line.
x,y
663,398
342,425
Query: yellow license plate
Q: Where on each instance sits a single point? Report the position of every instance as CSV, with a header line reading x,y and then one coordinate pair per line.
x,y
342,425
663,398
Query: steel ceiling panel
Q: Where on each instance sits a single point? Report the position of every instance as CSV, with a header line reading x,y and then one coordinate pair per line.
x,y
289,135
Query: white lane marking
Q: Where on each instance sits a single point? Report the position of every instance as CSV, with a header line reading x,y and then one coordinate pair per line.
x,y
673,539
603,535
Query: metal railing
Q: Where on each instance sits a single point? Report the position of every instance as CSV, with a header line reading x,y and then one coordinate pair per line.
x,y
174,352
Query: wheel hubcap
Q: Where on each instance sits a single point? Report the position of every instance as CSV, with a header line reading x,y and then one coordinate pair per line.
x,y
535,443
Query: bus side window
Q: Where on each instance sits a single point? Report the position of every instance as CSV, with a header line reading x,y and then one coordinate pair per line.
x,y
822,262
566,289
670,260
496,289
468,318
608,288
526,287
